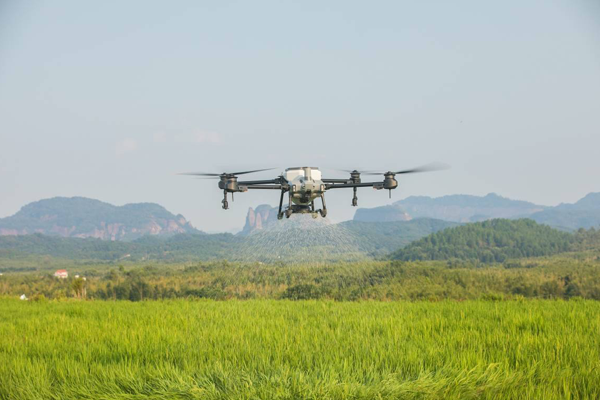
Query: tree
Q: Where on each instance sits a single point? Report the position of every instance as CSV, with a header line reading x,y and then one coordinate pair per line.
x,y
78,286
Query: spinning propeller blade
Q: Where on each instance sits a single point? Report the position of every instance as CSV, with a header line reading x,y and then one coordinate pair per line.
x,y
198,174
423,168
224,173
353,170
250,172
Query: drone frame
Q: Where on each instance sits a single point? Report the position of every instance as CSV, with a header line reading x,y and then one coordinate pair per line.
x,y
228,182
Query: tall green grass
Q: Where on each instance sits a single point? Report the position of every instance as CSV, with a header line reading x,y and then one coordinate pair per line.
x,y
299,350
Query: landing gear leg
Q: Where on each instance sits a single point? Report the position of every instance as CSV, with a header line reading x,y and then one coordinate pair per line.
x,y
312,209
225,203
354,199
280,213
324,210
289,211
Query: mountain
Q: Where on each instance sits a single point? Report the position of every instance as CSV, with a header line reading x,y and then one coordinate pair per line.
x,y
591,202
80,217
583,214
490,241
464,208
258,219
456,208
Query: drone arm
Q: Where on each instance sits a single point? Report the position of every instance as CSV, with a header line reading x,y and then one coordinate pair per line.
x,y
272,187
354,185
263,182
337,180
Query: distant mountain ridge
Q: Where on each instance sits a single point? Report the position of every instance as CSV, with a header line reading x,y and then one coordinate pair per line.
x,y
585,213
455,208
81,217
389,213
465,208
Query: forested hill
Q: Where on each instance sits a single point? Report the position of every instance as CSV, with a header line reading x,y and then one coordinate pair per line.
x,y
345,241
381,238
178,247
490,241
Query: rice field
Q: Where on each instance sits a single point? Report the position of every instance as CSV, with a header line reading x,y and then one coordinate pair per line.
x,y
264,349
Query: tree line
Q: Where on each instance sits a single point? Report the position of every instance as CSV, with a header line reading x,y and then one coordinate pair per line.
x,y
556,277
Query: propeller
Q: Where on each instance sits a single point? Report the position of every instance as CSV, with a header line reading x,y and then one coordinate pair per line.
x,y
224,173
423,168
353,170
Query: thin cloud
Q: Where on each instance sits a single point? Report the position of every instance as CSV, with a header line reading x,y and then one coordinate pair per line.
x,y
206,137
159,137
125,146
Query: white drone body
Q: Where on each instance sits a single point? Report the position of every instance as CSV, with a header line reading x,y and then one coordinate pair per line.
x,y
305,184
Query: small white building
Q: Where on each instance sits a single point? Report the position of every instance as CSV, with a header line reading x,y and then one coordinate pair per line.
x,y
61,273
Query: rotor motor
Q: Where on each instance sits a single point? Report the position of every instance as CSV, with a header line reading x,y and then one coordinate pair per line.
x,y
389,181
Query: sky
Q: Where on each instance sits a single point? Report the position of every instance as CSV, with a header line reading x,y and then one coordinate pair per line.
x,y
110,100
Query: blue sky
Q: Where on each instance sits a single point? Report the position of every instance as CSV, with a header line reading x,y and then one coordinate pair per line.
x,y
110,99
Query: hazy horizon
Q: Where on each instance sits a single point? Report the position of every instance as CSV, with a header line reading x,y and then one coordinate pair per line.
x,y
110,100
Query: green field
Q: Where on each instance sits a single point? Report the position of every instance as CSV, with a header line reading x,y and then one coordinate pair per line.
x,y
265,349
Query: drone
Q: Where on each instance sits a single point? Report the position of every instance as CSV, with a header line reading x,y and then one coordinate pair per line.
x,y
304,185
